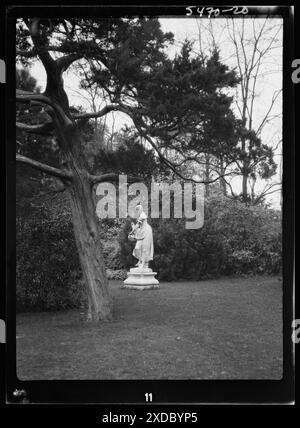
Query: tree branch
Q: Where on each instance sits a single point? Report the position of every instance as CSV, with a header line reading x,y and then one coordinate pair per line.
x,y
130,113
230,187
111,177
171,165
64,175
41,129
45,57
28,54
103,178
32,97
26,96
265,119
267,190
99,113
61,63
65,61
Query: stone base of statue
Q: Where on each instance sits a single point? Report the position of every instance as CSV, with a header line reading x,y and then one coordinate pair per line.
x,y
141,279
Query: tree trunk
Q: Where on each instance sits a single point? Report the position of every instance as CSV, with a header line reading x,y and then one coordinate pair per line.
x,y
89,248
222,180
245,186
207,175
245,173
85,225
252,184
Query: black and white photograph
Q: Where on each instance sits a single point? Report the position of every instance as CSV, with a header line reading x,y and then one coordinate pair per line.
x,y
149,162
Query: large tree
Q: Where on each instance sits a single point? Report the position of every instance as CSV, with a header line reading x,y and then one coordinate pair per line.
x,y
164,98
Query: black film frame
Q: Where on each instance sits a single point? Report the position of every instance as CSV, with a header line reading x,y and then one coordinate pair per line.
x,y
192,392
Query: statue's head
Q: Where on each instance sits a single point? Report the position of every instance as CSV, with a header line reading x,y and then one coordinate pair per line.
x,y
139,208
143,217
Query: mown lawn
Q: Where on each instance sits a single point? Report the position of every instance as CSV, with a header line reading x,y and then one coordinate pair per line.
x,y
217,329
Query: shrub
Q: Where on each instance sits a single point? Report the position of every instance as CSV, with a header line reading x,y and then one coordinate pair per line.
x,y
119,274
47,270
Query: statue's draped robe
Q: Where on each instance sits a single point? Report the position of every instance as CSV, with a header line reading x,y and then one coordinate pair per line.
x,y
143,249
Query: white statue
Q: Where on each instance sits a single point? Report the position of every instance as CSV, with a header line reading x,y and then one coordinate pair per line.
x,y
141,277
142,233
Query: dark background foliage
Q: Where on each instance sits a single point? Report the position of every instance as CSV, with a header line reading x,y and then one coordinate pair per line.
x,y
236,239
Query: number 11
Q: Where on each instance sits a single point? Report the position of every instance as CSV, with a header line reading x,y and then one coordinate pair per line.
x,y
148,396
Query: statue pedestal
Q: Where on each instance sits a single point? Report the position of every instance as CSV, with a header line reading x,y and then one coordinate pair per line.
x,y
141,279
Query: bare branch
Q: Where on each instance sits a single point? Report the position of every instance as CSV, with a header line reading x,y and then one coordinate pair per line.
x,y
64,175
41,129
265,119
267,191
276,146
230,187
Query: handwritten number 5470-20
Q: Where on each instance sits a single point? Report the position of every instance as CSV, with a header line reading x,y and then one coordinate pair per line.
x,y
210,11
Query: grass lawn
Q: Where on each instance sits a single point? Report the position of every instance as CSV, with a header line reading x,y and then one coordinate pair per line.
x,y
217,329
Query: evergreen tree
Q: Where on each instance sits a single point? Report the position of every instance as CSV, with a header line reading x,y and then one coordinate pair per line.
x,y
166,100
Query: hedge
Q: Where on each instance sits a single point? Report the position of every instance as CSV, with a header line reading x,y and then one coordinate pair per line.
x,y
236,239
